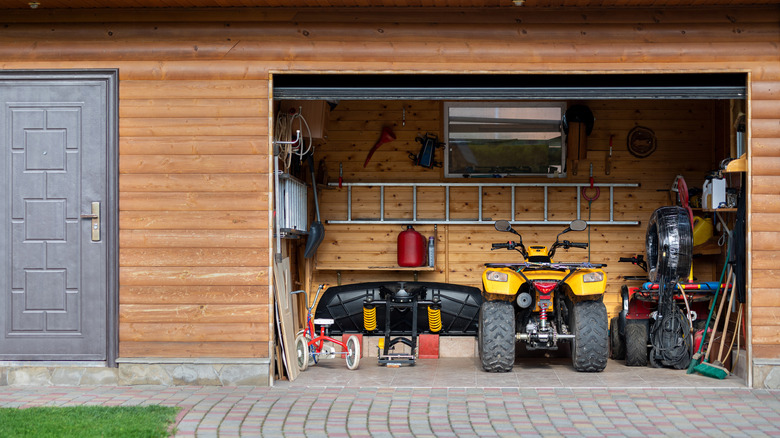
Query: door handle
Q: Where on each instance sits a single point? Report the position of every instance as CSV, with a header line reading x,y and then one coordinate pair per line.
x,y
95,217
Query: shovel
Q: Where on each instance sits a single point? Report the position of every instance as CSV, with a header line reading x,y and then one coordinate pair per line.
x,y
316,230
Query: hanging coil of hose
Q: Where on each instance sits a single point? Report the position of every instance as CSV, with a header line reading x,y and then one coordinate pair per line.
x,y
283,132
670,335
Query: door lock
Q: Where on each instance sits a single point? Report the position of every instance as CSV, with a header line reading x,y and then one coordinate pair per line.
x,y
95,217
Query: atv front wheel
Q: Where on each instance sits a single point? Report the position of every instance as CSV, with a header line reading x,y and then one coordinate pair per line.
x,y
496,339
590,347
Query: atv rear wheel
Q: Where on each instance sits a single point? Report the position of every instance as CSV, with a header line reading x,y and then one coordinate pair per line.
x,y
616,342
636,343
496,339
590,347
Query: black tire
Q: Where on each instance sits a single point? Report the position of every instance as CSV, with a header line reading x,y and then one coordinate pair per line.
x,y
616,342
669,244
590,347
496,336
636,343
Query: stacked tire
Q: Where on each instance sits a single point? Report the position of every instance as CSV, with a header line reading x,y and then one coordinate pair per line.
x,y
669,244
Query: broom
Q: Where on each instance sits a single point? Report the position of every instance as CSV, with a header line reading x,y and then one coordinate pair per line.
x,y
711,369
696,359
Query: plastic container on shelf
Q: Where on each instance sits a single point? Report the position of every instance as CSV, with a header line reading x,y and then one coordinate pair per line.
x,y
411,248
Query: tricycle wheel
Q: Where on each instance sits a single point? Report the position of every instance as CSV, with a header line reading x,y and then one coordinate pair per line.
x,y
302,352
496,339
590,347
617,342
636,343
353,352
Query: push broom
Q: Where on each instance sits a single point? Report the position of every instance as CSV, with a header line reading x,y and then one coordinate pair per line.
x,y
696,359
710,369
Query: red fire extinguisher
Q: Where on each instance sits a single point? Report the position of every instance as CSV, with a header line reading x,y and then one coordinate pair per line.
x,y
411,248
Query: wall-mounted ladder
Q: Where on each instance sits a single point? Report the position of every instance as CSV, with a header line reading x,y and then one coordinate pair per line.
x,y
447,220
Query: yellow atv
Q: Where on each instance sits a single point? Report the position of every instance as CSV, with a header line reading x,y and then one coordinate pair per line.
x,y
543,303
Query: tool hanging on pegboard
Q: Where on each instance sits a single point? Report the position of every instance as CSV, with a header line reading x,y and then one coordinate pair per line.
x,y
425,158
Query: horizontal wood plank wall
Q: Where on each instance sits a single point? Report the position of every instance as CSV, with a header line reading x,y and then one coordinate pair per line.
x,y
194,217
686,146
193,127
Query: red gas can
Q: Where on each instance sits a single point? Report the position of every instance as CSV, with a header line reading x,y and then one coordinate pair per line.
x,y
411,248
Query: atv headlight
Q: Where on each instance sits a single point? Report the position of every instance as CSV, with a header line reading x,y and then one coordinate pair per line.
x,y
593,277
497,276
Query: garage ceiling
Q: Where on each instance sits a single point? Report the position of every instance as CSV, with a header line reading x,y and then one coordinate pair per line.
x,y
116,4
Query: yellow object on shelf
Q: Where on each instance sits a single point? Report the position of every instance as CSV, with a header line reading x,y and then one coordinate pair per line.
x,y
702,230
738,165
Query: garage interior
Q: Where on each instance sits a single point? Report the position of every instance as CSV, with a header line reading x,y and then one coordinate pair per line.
x,y
373,178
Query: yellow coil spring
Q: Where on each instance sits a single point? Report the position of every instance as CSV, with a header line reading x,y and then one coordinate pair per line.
x,y
369,318
434,319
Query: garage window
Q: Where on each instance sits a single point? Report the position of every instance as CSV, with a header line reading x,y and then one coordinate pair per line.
x,y
504,139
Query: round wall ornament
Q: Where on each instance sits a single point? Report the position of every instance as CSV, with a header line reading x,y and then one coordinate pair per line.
x,y
641,142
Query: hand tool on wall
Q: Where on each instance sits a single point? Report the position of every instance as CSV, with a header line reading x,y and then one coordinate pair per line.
x,y
316,231
386,137
341,174
608,161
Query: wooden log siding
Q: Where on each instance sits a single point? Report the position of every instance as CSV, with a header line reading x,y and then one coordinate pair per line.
x,y
194,146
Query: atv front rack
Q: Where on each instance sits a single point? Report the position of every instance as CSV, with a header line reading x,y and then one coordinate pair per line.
x,y
541,265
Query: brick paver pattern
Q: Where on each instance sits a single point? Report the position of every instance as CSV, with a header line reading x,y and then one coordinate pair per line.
x,y
335,411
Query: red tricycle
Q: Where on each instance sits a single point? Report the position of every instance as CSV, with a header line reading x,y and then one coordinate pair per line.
x,y
310,345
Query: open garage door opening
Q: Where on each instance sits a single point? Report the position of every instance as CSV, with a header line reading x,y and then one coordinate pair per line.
x,y
449,155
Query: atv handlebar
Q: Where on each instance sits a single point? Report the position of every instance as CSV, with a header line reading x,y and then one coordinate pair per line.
x,y
639,260
518,246
575,244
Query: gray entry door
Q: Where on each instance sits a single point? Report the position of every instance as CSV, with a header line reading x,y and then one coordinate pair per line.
x,y
54,288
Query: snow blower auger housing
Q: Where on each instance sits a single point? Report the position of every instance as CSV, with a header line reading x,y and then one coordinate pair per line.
x,y
399,311
542,303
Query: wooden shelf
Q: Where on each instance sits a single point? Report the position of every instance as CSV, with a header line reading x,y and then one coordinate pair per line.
x,y
329,267
707,248
717,210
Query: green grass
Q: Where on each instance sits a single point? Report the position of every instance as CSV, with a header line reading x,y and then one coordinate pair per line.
x,y
87,421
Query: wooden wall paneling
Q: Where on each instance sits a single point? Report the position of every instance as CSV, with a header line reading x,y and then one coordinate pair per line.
x,y
192,108
194,145
192,275
167,219
193,313
208,294
236,257
502,30
194,197
210,332
255,183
